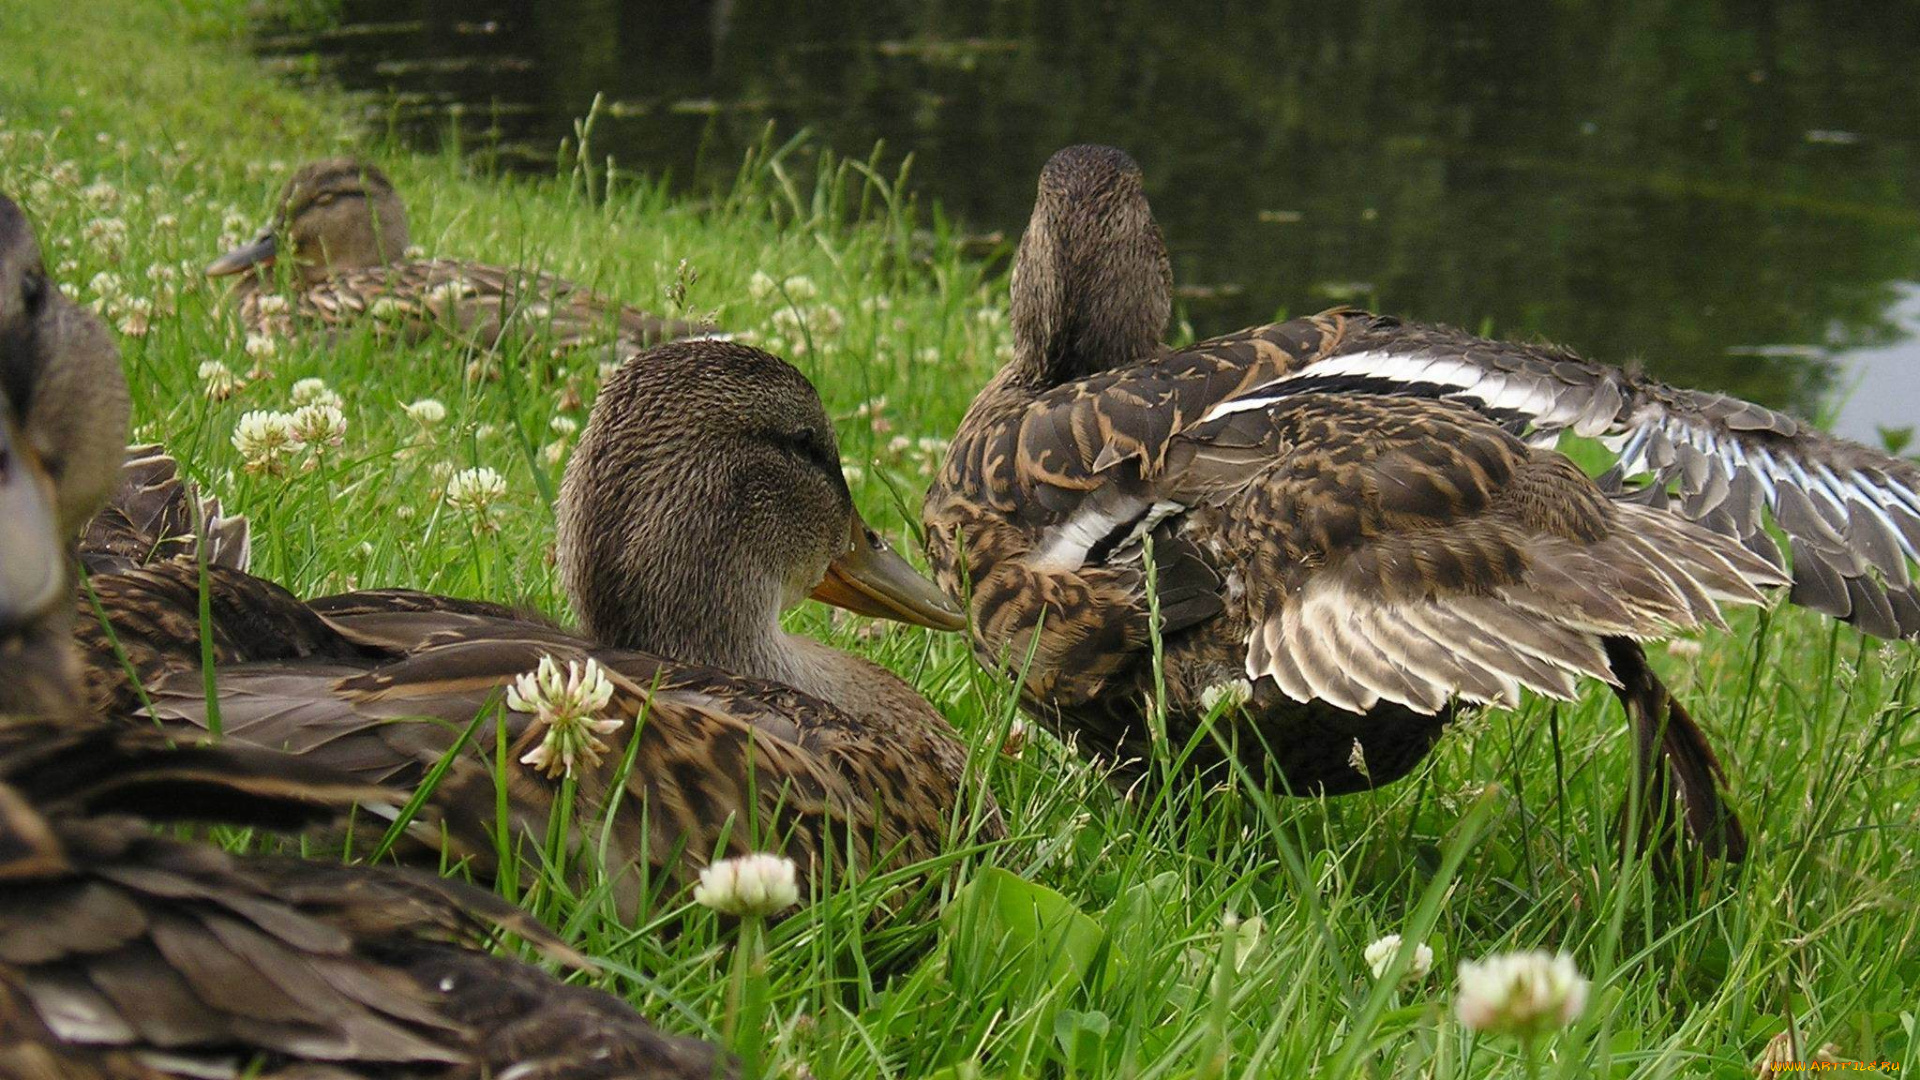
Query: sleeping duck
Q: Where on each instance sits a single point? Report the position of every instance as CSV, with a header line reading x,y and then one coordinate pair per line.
x,y
340,226
1333,530
705,498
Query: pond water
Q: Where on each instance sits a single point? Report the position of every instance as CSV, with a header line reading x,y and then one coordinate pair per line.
x,y
1727,192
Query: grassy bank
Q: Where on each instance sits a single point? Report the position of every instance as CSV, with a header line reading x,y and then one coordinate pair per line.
x,y
1224,931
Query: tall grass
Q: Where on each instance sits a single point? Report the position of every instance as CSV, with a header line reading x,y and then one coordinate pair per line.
x,y
1204,931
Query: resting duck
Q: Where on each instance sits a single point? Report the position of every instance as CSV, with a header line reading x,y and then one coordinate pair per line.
x,y
342,228
128,955
704,498
1355,522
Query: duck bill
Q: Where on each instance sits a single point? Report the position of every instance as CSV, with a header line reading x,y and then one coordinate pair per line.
x,y
32,557
260,251
872,579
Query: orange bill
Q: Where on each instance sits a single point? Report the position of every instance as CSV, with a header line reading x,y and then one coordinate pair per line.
x,y
870,578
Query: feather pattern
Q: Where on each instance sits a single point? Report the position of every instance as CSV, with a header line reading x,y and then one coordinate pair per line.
x,y
125,954
1367,520
1849,512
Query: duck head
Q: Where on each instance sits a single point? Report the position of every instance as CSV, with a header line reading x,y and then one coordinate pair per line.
x,y
333,215
705,497
1092,285
63,427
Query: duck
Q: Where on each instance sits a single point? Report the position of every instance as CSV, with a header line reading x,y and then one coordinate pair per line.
x,y
125,953
1299,549
136,955
341,228
704,498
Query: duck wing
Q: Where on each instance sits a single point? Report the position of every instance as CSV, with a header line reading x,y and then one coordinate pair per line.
x,y
723,765
129,954
1850,514
147,625
1410,550
1043,504
155,515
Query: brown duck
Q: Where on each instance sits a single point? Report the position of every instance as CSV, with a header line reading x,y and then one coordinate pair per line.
x,y
128,955
704,498
1353,523
125,954
341,227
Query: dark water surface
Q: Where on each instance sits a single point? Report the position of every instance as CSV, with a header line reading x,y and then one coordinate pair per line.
x,y
1729,191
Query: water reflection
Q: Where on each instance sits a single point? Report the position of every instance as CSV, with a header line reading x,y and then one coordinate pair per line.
x,y
1727,190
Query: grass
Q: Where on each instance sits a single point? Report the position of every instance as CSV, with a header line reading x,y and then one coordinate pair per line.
x,y
1193,933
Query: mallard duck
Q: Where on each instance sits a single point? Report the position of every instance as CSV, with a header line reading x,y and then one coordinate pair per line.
x,y
341,226
128,955
1354,522
704,498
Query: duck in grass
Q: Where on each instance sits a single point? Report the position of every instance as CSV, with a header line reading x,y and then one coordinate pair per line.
x,y
705,498
1333,530
342,231
129,955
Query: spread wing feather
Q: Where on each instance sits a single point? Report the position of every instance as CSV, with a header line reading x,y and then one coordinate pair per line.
x,y
1851,514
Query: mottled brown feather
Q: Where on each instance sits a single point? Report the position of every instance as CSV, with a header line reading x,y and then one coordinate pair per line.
x,y
1375,549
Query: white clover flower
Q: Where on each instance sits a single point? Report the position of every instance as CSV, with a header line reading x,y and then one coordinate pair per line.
x,y
475,491
1380,955
450,290
826,321
319,426
1523,993
105,284
415,251
899,444
751,885
387,309
102,195
854,473
426,412
235,222
166,222
1230,694
554,453
990,317
270,304
568,705
107,233
564,426
1684,648
135,315
262,346
404,512
1015,744
761,285
219,379
313,392
263,439
800,288
787,321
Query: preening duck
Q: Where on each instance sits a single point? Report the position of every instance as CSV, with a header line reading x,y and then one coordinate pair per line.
x,y
343,230
1354,523
704,498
